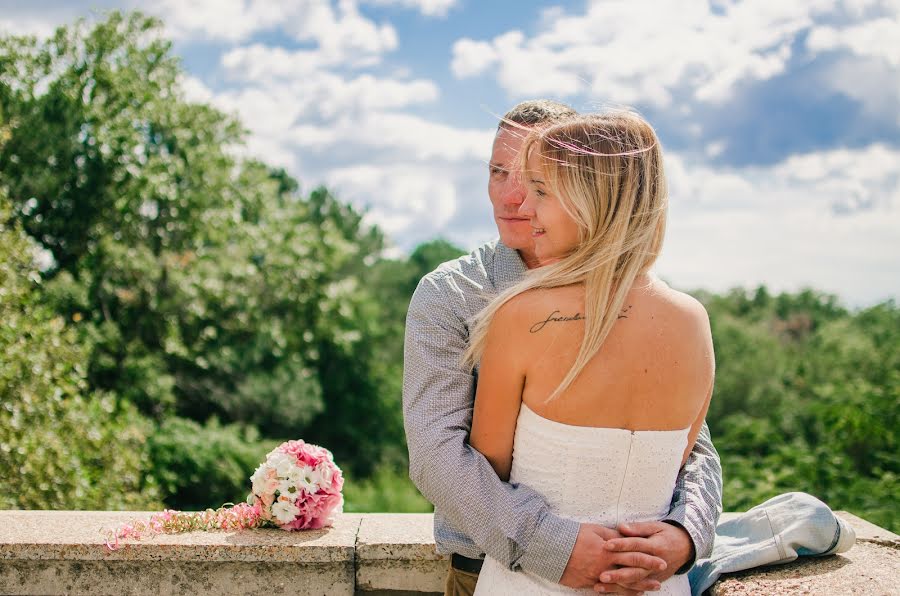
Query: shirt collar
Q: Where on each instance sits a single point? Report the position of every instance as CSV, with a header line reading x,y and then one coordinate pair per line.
x,y
509,268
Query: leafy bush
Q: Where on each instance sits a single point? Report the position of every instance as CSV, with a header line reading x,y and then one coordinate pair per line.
x,y
61,445
200,466
388,489
806,399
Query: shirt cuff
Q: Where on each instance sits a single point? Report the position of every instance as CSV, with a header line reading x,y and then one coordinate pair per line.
x,y
550,546
691,559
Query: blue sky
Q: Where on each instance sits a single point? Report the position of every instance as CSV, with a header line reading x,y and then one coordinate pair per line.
x,y
780,120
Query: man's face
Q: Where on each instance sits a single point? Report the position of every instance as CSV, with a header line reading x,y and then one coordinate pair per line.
x,y
507,192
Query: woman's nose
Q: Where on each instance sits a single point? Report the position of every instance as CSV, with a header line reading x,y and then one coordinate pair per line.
x,y
526,209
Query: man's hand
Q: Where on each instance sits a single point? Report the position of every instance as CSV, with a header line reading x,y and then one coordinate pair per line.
x,y
668,542
590,558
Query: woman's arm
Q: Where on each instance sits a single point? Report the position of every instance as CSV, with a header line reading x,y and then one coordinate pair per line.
x,y
706,361
501,380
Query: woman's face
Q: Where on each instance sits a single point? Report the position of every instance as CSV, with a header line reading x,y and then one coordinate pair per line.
x,y
555,233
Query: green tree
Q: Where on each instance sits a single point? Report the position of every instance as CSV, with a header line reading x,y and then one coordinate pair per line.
x,y
204,285
806,399
61,444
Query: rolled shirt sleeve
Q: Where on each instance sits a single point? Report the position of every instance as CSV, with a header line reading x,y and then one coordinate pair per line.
x,y
697,500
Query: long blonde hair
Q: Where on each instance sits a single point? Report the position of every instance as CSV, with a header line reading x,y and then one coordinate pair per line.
x,y
607,172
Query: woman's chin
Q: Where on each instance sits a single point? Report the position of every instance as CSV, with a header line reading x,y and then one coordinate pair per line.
x,y
547,257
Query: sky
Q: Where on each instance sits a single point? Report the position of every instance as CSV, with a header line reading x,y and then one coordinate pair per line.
x,y
780,120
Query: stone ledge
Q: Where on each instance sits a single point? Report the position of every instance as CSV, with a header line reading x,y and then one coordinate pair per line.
x,y
64,552
871,567
79,536
396,552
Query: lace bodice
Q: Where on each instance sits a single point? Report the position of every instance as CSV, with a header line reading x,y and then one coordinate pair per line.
x,y
605,476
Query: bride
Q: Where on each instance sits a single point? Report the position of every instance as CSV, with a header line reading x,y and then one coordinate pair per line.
x,y
594,375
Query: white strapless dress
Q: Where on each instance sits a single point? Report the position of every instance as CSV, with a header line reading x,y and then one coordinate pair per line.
x,y
605,476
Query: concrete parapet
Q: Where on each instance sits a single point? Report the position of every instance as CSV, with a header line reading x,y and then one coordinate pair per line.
x,y
64,552
380,554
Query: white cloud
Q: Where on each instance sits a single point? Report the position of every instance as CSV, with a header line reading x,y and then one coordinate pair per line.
x,y
867,64
258,62
405,135
40,28
195,90
472,57
777,225
870,82
401,198
344,33
835,182
879,38
230,20
341,33
643,51
431,8
300,77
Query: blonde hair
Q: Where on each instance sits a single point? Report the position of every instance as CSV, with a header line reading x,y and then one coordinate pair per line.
x,y
607,172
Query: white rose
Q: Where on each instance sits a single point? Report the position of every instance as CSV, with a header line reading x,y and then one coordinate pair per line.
x,y
325,475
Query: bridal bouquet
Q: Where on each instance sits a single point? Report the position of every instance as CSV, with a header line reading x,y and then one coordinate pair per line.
x,y
298,487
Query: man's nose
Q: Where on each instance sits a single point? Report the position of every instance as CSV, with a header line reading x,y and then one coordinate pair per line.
x,y
514,193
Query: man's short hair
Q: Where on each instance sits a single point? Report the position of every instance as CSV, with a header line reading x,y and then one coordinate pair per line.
x,y
536,111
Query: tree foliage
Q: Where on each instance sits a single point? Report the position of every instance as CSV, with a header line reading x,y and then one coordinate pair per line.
x,y
199,284
806,398
62,445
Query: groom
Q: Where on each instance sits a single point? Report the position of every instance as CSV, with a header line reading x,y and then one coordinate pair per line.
x,y
475,512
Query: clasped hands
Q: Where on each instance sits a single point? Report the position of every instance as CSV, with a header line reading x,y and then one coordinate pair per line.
x,y
632,559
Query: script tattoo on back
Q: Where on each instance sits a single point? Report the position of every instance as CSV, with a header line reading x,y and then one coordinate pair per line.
x,y
556,317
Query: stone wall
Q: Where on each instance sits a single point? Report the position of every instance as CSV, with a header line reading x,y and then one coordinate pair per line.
x,y
64,552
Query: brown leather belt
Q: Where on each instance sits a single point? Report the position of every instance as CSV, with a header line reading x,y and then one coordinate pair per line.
x,y
466,564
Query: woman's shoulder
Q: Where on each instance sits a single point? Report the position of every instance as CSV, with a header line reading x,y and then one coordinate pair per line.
x,y
529,309
678,307
680,321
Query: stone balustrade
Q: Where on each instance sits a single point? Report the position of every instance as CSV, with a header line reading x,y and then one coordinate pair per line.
x,y
64,552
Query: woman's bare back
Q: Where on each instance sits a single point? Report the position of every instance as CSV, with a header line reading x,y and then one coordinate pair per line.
x,y
654,371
